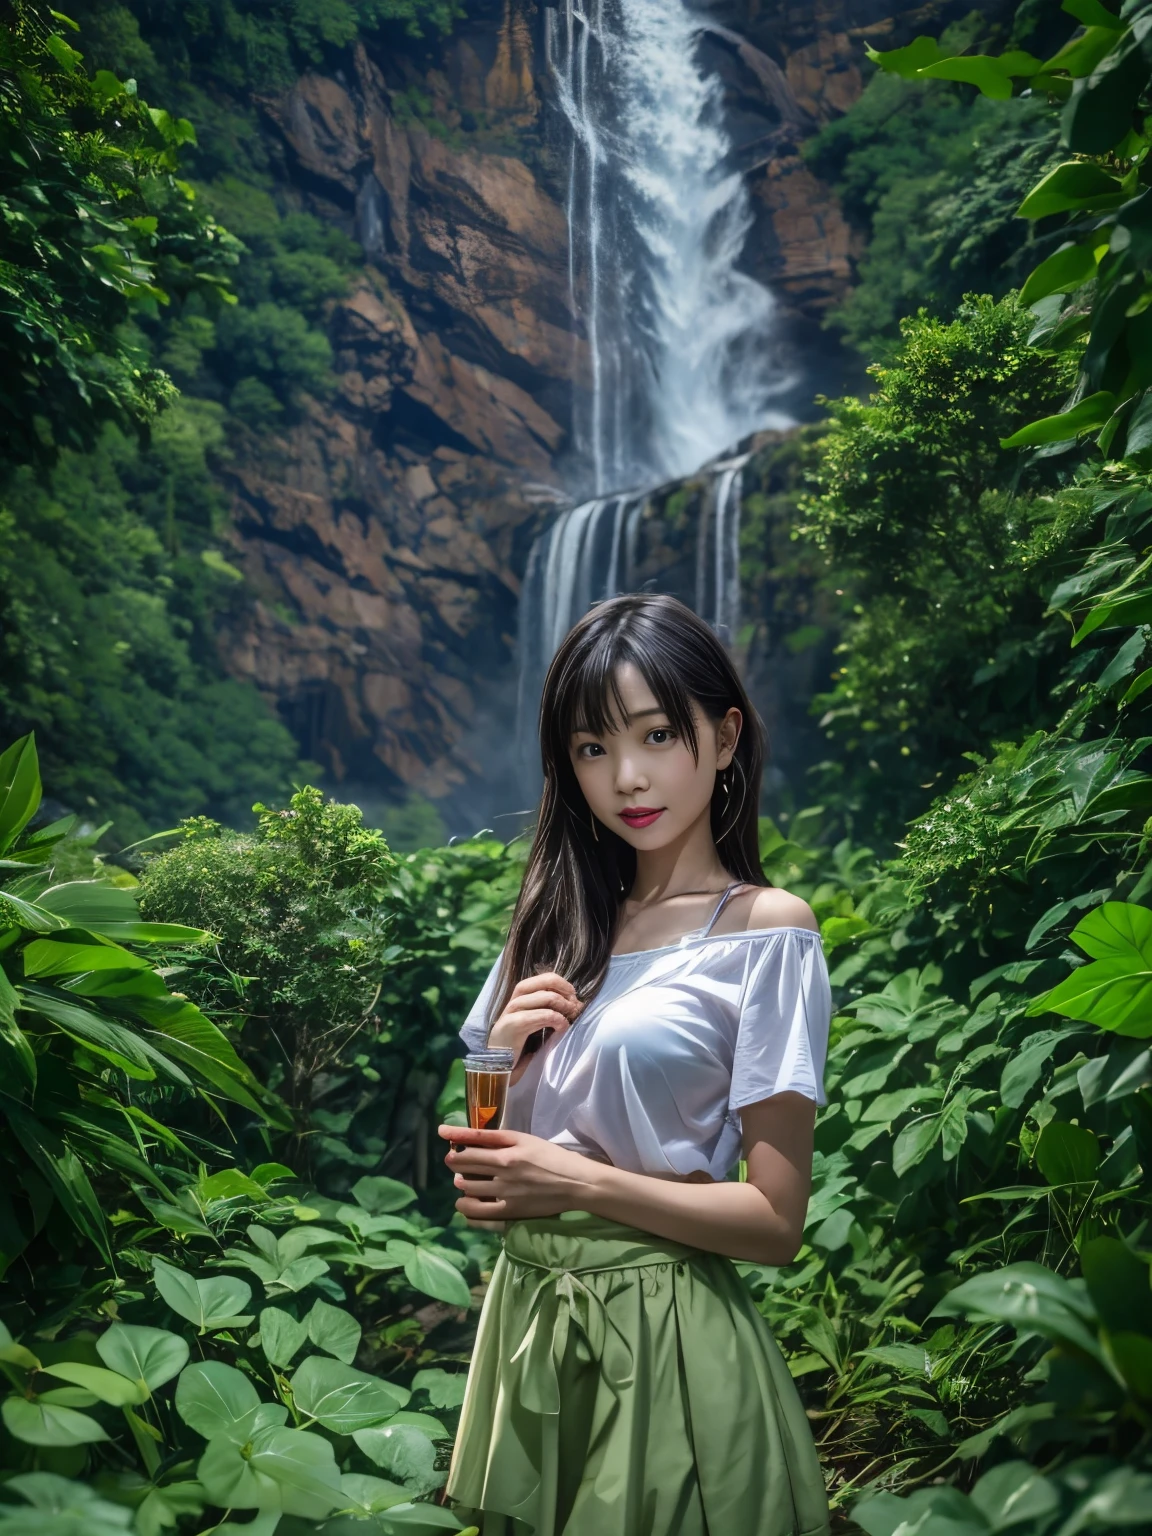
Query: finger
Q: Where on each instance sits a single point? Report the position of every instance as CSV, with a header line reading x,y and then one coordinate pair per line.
x,y
481,1210
548,981
467,1136
477,1189
568,1006
477,1162
532,1019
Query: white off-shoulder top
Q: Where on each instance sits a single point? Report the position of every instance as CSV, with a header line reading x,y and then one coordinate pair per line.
x,y
652,1075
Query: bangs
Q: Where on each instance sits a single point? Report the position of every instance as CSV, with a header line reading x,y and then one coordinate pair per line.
x,y
587,693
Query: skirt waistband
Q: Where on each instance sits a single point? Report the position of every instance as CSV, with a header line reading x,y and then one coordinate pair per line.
x,y
577,1242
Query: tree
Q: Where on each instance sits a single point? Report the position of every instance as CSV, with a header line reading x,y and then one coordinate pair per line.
x,y
97,228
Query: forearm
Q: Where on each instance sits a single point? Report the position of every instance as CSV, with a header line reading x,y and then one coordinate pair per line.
x,y
737,1220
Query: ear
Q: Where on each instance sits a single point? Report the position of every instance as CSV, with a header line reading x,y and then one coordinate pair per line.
x,y
727,735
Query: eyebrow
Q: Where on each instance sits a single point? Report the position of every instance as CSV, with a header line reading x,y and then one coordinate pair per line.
x,y
586,730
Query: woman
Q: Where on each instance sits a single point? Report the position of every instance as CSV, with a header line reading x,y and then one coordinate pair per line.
x,y
623,1383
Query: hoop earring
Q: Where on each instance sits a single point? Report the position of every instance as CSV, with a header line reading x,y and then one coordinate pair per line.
x,y
743,797
592,819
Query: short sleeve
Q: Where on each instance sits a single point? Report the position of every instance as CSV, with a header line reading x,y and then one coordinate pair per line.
x,y
474,1031
786,1009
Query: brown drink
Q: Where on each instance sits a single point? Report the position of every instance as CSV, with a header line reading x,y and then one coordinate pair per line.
x,y
486,1092
486,1077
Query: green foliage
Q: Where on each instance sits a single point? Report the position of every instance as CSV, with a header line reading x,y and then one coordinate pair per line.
x,y
1090,304
924,521
87,1023
933,182
302,933
342,971
111,589
189,1394
97,228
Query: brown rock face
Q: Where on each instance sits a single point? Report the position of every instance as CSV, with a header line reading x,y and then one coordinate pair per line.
x,y
385,533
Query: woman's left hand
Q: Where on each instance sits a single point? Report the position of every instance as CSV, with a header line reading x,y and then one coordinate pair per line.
x,y
520,1176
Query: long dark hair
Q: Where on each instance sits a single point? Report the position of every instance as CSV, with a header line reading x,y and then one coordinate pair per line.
x,y
576,882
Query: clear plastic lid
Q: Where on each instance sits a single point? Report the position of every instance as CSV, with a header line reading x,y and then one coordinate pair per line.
x,y
489,1061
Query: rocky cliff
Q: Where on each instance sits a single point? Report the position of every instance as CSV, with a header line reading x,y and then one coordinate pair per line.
x,y
384,534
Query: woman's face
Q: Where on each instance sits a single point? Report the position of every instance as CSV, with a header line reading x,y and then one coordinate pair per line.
x,y
641,779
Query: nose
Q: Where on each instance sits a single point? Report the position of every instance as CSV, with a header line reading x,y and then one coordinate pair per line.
x,y
630,776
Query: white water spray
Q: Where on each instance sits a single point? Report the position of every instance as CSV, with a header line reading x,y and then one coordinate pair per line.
x,y
680,343
682,359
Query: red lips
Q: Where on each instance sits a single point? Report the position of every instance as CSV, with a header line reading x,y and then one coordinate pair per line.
x,y
640,815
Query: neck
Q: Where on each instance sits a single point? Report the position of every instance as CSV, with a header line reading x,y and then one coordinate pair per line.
x,y
690,863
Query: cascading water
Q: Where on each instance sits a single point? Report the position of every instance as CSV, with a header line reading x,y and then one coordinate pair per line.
x,y
679,341
677,362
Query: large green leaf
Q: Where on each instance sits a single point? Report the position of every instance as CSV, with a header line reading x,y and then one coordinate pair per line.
x,y
1132,608
1114,992
1118,1283
915,1142
278,1469
1031,1298
445,1389
908,61
1065,270
1014,1493
364,1495
118,1044
57,1162
429,1270
63,957
111,911
343,1399
15,911
62,1506
1067,1154
417,1520
1075,185
107,1386
1086,416
280,1335
148,1355
209,1304
379,1196
19,789
47,1424
333,1330
404,1451
991,76
214,1398
1099,114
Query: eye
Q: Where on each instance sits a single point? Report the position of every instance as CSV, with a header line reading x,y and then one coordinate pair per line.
x,y
660,736
589,749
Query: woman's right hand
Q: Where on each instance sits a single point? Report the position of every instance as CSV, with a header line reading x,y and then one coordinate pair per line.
x,y
539,1002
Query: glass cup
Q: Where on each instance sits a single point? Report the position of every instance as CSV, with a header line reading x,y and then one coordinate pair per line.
x,y
487,1074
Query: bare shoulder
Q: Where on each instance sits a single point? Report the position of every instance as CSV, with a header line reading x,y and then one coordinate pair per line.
x,y
773,908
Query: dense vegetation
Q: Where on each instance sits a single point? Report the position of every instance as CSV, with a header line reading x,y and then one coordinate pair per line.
x,y
150,249
221,1078
969,1320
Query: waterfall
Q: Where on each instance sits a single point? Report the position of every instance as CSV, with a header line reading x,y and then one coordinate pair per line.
x,y
600,548
677,361
680,350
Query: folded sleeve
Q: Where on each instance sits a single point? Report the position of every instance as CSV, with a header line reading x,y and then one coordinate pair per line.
x,y
786,1009
474,1031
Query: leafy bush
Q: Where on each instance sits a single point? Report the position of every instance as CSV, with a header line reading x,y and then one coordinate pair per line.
x,y
302,934
341,972
85,1018
98,230
273,1415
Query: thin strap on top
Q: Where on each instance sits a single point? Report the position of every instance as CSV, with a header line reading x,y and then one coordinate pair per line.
x,y
725,897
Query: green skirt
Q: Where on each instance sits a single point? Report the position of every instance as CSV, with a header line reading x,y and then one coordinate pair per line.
x,y
623,1385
